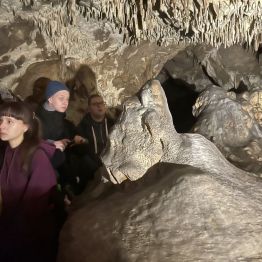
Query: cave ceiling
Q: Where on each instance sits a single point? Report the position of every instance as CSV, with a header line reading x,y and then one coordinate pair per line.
x,y
125,43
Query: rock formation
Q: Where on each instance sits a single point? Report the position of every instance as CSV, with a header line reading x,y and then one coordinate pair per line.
x,y
228,109
206,208
54,39
233,124
227,68
192,205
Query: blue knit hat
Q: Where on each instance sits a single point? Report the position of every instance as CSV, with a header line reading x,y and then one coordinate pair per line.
x,y
54,87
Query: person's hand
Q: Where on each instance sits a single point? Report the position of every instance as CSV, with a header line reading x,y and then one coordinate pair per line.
x,y
79,139
61,144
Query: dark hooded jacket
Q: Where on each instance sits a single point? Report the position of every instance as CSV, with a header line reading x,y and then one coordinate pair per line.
x,y
95,133
27,224
2,152
54,125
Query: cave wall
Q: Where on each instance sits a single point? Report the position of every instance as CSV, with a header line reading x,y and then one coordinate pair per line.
x,y
54,39
125,43
228,83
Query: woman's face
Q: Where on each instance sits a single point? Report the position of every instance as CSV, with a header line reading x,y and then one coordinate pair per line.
x,y
12,130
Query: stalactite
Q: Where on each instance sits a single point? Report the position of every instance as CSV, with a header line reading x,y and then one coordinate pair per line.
x,y
27,2
163,21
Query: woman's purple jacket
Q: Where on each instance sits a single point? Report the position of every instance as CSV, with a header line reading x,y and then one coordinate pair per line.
x,y
26,218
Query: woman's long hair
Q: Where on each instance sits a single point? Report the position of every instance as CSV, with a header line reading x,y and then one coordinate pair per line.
x,y
19,110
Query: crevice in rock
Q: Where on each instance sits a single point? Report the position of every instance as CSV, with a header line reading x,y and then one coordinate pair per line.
x,y
180,97
258,54
240,89
209,77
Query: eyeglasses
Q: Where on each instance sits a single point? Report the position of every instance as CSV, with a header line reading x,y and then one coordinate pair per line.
x,y
98,104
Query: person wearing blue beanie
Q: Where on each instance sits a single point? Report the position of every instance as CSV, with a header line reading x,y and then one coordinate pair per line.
x,y
57,96
55,127
53,87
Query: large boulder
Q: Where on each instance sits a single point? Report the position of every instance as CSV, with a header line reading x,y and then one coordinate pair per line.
x,y
191,205
233,123
226,67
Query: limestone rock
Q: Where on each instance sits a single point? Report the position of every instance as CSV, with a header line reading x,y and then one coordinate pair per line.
x,y
202,66
145,135
232,124
134,146
55,39
101,34
192,205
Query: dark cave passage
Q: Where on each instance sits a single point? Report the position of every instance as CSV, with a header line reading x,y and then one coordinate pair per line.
x,y
180,97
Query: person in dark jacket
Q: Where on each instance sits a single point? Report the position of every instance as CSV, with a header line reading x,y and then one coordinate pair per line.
x,y
92,132
28,184
2,151
2,143
57,129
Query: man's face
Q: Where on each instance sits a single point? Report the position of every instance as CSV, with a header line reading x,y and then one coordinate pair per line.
x,y
59,101
97,107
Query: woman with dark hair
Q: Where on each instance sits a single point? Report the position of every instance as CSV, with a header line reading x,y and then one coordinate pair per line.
x,y
28,184
2,143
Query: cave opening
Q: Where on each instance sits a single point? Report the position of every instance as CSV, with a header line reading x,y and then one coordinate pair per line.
x,y
180,98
